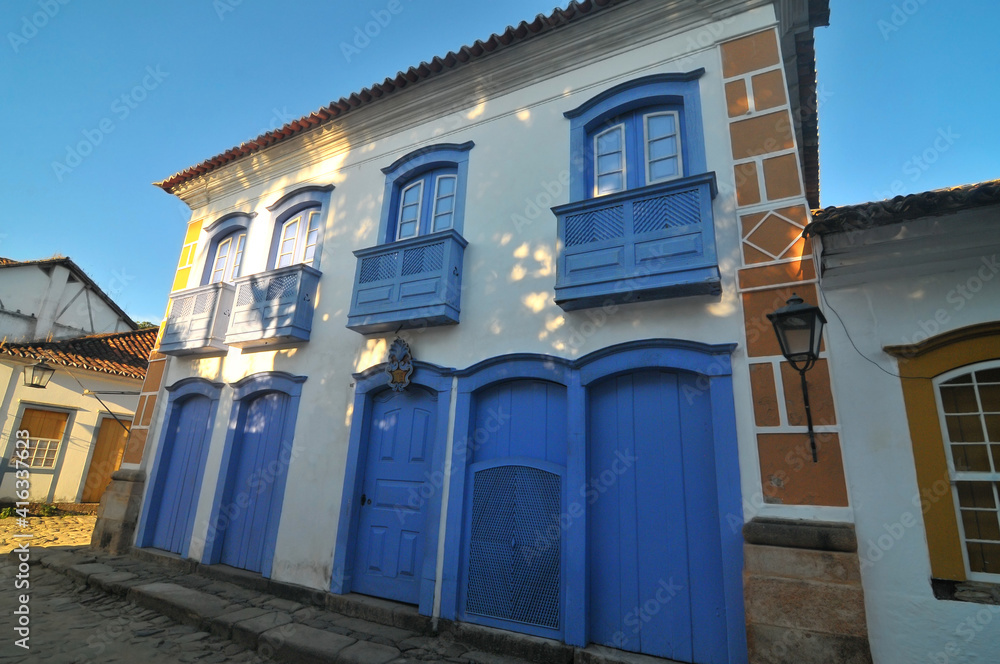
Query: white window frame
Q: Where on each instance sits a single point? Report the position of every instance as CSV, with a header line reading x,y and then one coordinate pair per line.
x,y
645,145
420,205
297,220
238,248
453,195
313,216
235,244
620,128
219,274
32,448
956,476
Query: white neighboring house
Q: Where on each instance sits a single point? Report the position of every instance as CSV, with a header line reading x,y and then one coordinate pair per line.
x,y
76,438
53,298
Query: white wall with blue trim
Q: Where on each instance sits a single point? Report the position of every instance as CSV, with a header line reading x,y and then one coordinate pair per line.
x,y
517,170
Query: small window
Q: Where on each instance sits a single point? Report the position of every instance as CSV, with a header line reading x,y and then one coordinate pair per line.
x,y
969,407
427,205
228,256
45,430
298,239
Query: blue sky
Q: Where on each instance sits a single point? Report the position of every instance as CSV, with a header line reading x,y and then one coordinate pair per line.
x,y
146,89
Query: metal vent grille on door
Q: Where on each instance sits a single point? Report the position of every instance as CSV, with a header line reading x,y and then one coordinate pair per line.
x,y
515,544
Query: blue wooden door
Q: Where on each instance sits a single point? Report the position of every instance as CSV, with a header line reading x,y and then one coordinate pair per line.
x,y
251,502
513,576
655,562
173,503
390,550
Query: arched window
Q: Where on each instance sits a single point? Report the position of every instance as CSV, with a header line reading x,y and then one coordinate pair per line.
x,y
228,257
638,148
969,407
299,237
427,204
226,250
298,227
636,134
639,224
425,192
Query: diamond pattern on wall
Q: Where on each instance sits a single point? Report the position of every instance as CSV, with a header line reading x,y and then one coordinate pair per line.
x,y
774,235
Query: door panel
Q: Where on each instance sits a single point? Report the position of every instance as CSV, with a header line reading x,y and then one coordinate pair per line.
x,y
513,548
174,500
390,541
653,542
108,450
251,502
515,564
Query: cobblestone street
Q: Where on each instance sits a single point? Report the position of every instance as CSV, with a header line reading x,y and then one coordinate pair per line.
x,y
86,606
65,530
74,624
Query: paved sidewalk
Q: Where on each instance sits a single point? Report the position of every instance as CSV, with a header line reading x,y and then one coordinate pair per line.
x,y
76,624
87,606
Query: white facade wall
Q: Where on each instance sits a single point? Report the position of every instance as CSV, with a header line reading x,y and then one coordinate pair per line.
x,y
34,305
521,156
65,483
906,622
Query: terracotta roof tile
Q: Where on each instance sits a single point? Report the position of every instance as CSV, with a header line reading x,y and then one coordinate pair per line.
x,y
119,353
496,42
903,208
819,15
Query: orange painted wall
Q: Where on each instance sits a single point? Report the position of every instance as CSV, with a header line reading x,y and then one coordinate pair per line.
x,y
777,263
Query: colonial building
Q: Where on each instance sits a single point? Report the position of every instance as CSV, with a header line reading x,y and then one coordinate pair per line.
x,y
490,339
76,419
53,298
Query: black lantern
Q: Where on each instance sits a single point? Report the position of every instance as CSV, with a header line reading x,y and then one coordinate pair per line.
x,y
38,375
799,327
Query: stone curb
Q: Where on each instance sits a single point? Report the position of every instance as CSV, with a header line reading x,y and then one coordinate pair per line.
x,y
271,626
523,646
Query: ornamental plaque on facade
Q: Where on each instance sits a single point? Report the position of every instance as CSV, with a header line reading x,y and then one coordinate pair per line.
x,y
399,365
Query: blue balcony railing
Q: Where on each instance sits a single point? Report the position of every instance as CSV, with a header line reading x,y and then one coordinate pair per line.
x,y
273,308
642,244
409,283
197,321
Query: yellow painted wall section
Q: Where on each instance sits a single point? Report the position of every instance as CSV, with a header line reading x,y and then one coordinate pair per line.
x,y
187,256
919,364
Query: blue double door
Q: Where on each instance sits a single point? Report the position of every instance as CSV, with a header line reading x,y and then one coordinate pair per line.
x,y
652,565
396,490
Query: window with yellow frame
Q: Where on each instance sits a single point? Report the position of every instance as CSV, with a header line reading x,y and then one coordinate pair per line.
x,y
969,408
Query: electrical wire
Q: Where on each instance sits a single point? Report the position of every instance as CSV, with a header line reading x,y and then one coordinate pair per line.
x,y
110,412
855,346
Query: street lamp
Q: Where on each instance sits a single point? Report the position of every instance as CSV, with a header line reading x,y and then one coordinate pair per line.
x,y
799,327
38,375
